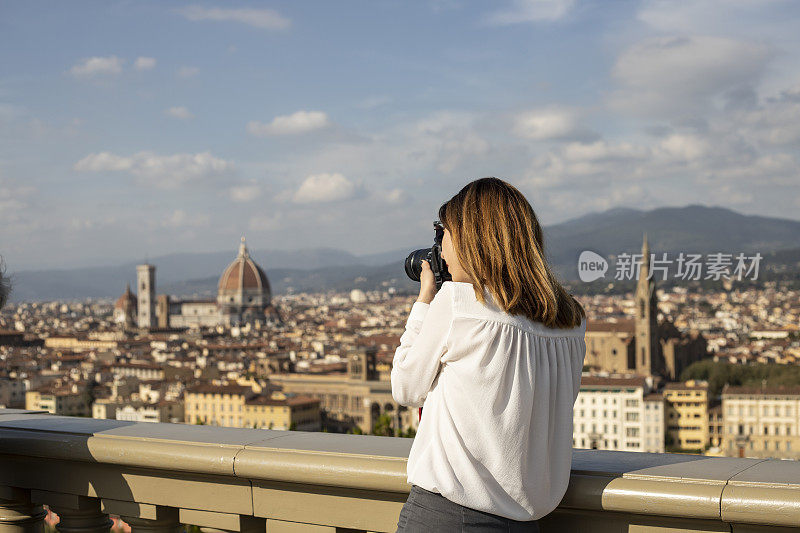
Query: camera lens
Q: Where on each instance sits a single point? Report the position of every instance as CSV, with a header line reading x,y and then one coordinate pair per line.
x,y
414,262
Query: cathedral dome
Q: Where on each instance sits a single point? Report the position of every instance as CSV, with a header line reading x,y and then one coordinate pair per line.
x,y
243,274
244,290
127,300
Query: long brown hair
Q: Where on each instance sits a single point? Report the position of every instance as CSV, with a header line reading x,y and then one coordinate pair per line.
x,y
498,241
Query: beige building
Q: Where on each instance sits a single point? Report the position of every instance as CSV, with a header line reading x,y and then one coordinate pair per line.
x,y
279,411
240,406
618,413
78,343
716,426
138,411
217,405
642,345
687,414
353,399
69,400
761,421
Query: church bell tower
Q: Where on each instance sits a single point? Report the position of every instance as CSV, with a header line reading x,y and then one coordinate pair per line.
x,y
646,327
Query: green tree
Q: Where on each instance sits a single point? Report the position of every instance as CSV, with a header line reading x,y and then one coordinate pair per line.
x,y
383,426
721,372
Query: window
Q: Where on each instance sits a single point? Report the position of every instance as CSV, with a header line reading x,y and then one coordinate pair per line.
x,y
632,417
632,432
632,403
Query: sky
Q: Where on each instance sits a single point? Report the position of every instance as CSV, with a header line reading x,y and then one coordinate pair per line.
x,y
130,129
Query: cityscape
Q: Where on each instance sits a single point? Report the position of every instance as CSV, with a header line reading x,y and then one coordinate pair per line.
x,y
321,362
213,219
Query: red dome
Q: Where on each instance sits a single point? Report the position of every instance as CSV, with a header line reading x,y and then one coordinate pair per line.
x,y
126,300
243,274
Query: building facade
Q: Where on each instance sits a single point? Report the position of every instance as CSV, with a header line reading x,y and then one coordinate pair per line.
x,y
761,421
146,296
243,297
244,292
642,345
687,414
618,413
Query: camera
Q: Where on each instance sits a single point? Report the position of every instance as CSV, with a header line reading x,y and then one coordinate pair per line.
x,y
434,257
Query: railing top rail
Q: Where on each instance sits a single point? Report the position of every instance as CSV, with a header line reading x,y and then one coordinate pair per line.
x,y
756,491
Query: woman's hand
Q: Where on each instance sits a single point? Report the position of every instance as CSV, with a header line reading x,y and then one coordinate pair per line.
x,y
427,286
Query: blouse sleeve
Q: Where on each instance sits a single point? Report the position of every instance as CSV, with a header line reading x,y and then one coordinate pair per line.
x,y
417,359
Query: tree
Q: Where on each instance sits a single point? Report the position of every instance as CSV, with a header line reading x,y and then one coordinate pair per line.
x,y
409,434
383,426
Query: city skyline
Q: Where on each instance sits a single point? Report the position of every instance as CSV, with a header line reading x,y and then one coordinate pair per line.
x,y
155,129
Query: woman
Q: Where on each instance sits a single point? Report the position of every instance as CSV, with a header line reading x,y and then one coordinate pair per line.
x,y
495,356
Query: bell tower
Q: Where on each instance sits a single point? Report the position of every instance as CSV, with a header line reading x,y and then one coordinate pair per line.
x,y
646,324
146,291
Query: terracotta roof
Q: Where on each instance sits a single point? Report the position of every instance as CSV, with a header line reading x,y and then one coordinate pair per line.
x,y
597,381
684,386
292,401
127,298
627,325
243,273
653,397
208,388
788,390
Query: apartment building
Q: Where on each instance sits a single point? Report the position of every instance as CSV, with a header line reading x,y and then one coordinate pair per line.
x,y
687,414
59,399
240,406
761,421
618,413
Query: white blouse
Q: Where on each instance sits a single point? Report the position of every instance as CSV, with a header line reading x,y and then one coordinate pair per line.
x,y
497,392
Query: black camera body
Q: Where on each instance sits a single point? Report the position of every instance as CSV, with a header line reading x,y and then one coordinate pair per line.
x,y
433,256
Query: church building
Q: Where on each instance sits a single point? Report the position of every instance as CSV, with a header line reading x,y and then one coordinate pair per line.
x,y
243,297
643,345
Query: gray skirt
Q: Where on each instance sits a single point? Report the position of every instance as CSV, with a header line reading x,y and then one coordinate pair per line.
x,y
426,512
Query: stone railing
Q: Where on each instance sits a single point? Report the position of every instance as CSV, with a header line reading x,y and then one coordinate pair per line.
x,y
159,476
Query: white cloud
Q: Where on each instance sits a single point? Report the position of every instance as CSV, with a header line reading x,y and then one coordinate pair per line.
x,y
319,188
188,72
163,172
144,63
266,221
532,11
259,18
682,147
97,65
13,200
395,196
546,124
668,75
449,138
294,124
179,112
245,192
103,162
181,219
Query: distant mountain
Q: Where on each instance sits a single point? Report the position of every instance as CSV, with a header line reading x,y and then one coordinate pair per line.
x,y
691,229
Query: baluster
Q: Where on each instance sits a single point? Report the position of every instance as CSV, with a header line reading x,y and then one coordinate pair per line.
x,y
83,516
18,514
